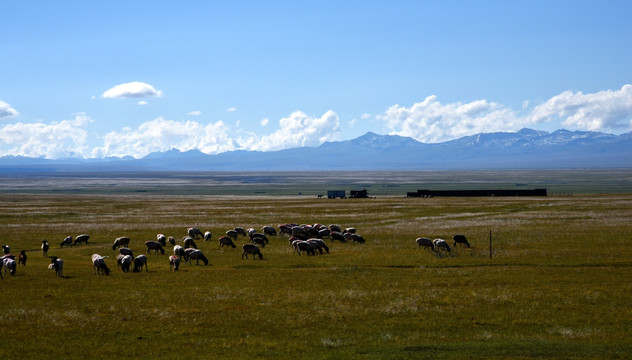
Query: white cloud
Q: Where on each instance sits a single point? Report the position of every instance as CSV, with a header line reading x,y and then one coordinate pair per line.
x,y
231,109
162,135
195,113
606,110
6,111
133,89
67,138
264,122
298,130
431,121
142,103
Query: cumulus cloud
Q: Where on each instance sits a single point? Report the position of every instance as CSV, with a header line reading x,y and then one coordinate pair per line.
x,y
606,110
67,138
142,103
298,130
6,111
195,113
133,89
162,135
264,122
431,121
231,109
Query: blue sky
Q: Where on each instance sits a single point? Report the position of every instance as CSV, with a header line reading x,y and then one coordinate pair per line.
x,y
115,78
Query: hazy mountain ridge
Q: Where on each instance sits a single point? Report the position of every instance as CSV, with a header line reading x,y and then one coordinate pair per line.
x,y
527,148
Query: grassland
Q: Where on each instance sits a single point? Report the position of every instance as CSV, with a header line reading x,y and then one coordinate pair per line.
x,y
558,284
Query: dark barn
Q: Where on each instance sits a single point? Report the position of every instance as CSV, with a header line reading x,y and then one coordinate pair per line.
x,y
332,194
466,193
359,194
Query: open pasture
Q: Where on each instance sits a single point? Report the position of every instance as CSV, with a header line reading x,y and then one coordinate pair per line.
x,y
558,285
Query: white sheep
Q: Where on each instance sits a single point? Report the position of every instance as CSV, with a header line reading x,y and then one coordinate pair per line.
x,y
126,262
441,244
9,264
99,265
178,251
174,262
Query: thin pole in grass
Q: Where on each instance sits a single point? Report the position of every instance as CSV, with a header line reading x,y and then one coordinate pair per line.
x,y
490,244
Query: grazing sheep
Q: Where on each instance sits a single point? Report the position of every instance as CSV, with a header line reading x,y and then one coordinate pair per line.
x,y
6,249
120,242
298,231
66,242
83,238
319,245
189,243
171,240
322,233
251,249
425,242
98,262
240,231
119,260
194,232
45,247
335,228
126,262
258,235
194,254
226,241
311,232
259,241
269,230
337,236
56,264
126,251
356,238
350,230
22,258
305,246
285,229
174,263
155,246
139,262
251,232
232,234
9,264
207,236
161,239
441,244
179,251
460,239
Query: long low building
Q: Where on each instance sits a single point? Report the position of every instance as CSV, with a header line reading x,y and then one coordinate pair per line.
x,y
432,193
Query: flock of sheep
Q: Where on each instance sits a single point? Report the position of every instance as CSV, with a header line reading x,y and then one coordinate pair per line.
x,y
302,239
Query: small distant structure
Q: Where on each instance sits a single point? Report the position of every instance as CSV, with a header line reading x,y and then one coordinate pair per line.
x,y
332,194
359,194
470,193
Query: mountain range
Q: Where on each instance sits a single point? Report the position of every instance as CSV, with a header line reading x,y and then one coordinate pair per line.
x,y
525,149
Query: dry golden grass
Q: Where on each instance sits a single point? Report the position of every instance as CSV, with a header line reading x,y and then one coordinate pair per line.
x,y
557,286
